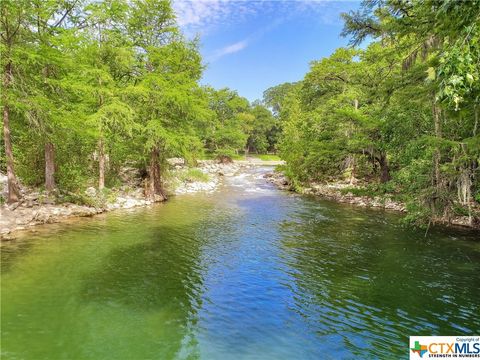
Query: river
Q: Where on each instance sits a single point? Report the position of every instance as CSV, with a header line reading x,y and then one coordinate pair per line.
x,y
246,272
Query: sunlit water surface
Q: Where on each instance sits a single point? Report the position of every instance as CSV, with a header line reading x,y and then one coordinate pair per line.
x,y
247,272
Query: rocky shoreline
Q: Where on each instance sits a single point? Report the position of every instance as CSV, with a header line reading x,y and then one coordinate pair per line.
x,y
337,192
334,192
36,209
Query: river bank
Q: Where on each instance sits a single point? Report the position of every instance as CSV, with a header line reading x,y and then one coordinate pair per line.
x,y
36,208
337,192
343,192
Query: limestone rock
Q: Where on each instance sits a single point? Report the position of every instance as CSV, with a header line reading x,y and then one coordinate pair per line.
x,y
91,192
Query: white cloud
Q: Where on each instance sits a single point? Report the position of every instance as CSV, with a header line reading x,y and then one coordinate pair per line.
x,y
204,16
201,16
240,45
229,49
234,47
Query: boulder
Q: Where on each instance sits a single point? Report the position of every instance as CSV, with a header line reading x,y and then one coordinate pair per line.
x,y
3,183
91,192
176,162
224,159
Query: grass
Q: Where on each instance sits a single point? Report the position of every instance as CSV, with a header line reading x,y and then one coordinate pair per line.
x,y
192,175
268,157
211,156
264,157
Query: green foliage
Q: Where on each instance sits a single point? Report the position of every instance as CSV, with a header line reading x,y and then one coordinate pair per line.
x,y
401,114
80,199
274,97
113,82
236,126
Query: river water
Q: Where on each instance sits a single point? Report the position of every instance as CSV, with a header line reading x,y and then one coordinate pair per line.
x,y
247,272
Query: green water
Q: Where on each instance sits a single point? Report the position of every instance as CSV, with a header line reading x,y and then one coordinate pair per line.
x,y
248,272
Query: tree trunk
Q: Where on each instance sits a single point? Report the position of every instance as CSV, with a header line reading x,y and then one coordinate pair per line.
x,y
12,183
49,167
475,113
384,169
438,134
353,172
381,158
155,181
352,157
101,165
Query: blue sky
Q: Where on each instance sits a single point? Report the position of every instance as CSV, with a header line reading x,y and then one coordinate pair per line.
x,y
250,46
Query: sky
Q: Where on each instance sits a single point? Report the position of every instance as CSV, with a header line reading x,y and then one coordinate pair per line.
x,y
250,45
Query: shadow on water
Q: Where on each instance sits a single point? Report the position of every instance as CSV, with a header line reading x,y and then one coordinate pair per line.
x,y
161,274
125,286
140,276
11,252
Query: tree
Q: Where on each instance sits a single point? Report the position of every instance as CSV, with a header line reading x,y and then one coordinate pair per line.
x,y
51,26
226,133
165,91
262,136
108,60
13,17
442,37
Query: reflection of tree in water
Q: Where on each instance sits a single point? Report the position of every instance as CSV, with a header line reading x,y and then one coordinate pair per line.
x,y
157,276
12,251
373,283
